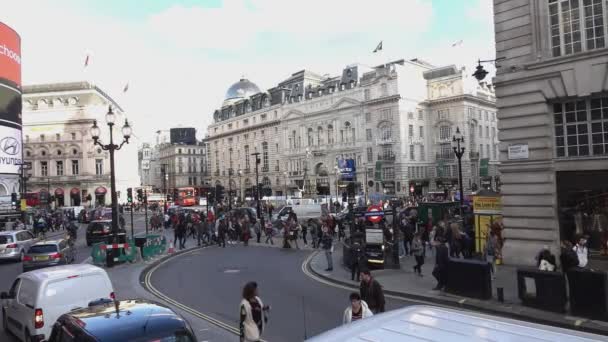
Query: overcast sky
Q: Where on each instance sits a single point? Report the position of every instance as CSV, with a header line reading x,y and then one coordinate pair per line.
x,y
180,57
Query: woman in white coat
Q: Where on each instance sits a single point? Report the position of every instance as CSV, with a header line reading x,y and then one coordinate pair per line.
x,y
252,313
357,309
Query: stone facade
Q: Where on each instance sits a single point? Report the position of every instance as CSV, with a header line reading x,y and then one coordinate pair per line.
x,y
65,162
386,118
551,95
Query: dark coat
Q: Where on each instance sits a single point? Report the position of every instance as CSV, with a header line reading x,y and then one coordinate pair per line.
x,y
442,258
373,295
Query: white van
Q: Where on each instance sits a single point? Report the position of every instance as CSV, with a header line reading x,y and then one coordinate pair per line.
x,y
303,211
431,323
37,298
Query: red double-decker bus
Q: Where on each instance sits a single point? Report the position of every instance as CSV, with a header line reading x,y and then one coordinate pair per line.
x,y
186,197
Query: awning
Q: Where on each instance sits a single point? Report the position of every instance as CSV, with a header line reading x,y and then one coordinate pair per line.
x,y
75,192
101,191
58,192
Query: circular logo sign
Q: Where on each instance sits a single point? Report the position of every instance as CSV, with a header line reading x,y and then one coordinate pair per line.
x,y
374,213
10,146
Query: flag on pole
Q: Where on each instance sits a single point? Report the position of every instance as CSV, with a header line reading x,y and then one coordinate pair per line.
x,y
455,44
124,90
86,60
379,47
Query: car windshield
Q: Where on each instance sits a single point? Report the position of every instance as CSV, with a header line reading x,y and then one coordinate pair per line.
x,y
4,239
99,226
39,249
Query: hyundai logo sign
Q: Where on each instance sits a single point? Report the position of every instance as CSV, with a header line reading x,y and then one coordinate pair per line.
x,y
10,146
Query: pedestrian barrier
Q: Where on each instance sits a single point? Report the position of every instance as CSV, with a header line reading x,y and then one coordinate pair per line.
x,y
155,245
469,278
542,289
588,293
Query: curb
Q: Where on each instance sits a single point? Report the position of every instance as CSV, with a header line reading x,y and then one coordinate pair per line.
x,y
464,305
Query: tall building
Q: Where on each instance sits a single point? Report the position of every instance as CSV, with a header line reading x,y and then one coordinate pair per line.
x,y
144,159
553,109
65,163
394,120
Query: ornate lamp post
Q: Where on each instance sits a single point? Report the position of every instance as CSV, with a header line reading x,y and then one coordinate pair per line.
x,y
126,132
257,183
240,173
458,139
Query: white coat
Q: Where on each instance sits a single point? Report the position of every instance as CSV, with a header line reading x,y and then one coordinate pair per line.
x,y
252,333
348,313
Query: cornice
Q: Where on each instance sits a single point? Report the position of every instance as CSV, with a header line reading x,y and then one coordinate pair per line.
x,y
242,130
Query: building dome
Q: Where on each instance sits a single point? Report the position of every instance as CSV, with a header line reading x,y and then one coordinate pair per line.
x,y
241,89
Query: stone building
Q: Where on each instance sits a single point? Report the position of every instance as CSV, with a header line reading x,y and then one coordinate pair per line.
x,y
386,118
65,163
552,99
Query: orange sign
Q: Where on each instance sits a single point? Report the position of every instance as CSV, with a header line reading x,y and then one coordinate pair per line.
x,y
10,55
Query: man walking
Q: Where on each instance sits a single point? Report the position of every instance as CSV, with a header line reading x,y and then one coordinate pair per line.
x,y
371,292
326,244
442,260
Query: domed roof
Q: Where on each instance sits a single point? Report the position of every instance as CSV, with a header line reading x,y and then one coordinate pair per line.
x,y
241,89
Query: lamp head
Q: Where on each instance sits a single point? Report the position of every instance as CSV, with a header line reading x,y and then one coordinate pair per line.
x,y
95,131
110,116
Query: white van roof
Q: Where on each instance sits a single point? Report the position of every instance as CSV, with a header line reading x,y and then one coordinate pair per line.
x,y
428,323
60,272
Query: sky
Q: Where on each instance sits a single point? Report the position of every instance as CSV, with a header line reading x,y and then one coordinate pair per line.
x,y
180,57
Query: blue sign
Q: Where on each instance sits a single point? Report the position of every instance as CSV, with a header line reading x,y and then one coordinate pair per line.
x,y
347,169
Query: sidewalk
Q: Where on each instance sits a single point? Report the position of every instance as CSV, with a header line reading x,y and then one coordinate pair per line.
x,y
404,283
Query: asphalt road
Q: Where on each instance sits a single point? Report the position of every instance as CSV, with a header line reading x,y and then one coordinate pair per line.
x,y
211,280
10,270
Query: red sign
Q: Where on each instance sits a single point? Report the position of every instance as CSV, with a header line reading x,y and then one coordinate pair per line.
x,y
374,213
412,188
10,55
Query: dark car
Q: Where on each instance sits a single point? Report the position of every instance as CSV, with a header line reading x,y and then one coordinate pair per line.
x,y
129,320
48,253
100,231
251,213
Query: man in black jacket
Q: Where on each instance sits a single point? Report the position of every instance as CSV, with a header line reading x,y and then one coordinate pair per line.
x,y
371,292
442,261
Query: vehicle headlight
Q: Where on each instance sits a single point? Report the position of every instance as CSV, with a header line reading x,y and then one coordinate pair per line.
x,y
382,247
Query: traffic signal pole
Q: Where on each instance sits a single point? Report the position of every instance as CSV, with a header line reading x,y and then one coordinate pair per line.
x,y
146,208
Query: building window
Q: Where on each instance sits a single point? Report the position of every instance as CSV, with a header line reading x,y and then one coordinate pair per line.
x,y
581,127
422,154
44,168
99,167
58,136
493,151
480,131
485,115
383,89
319,137
41,137
310,137
59,165
487,150
28,154
570,29
389,173
445,132
421,132
420,115
412,153
370,156
481,150
386,114
75,168
368,134
386,132
366,95
446,151
410,115
73,136
410,131
487,132
443,114
330,134
368,117
27,138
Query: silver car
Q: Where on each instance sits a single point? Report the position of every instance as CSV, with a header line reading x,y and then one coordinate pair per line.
x,y
14,244
48,253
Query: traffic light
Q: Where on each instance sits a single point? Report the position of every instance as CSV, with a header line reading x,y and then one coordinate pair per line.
x,y
219,190
130,195
14,201
140,195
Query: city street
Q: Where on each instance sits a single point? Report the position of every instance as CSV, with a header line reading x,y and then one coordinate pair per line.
x,y
10,270
210,281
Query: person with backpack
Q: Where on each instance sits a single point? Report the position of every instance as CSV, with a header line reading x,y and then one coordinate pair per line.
x,y
253,314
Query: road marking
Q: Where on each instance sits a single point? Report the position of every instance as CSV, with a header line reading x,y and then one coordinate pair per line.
x,y
148,285
356,288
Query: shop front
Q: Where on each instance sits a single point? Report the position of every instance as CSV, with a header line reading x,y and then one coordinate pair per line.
x,y
100,196
75,197
59,197
418,187
582,198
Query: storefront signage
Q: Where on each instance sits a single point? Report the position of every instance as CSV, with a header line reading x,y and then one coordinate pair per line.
x,y
487,205
374,214
347,169
10,150
519,151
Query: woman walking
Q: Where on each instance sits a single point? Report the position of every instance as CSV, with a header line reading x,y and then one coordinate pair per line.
x,y
418,251
252,314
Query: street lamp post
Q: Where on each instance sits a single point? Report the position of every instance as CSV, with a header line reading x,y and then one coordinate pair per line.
x,y
457,140
111,147
285,181
257,183
230,180
240,173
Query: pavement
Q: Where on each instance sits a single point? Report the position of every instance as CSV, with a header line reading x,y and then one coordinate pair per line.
x,y
404,283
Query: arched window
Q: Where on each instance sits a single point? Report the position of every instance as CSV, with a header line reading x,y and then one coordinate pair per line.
x,y
310,137
383,89
386,131
319,136
330,134
266,182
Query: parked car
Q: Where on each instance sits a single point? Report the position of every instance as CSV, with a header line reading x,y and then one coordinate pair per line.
x,y
48,253
100,231
14,244
37,298
129,320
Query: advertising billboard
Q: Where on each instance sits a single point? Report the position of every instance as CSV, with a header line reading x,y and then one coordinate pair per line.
x,y
347,169
10,56
11,150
